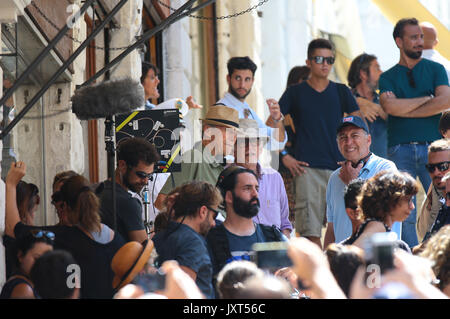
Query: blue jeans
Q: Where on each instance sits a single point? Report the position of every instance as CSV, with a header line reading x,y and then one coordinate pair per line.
x,y
412,159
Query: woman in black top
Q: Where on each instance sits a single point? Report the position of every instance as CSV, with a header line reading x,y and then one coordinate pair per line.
x,y
384,199
90,242
30,247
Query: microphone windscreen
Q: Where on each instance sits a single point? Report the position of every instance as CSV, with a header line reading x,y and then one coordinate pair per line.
x,y
108,98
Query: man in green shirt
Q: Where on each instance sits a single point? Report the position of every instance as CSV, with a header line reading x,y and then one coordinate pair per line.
x,y
414,92
207,158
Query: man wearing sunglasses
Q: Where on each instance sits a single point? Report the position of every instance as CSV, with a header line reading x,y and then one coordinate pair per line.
x,y
316,106
414,92
438,165
135,162
443,216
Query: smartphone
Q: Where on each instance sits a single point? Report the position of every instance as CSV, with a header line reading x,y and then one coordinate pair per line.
x,y
272,255
151,282
379,250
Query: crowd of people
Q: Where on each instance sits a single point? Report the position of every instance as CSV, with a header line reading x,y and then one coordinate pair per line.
x,y
336,220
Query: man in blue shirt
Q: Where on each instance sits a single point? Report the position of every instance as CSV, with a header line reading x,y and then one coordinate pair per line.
x,y
240,78
414,92
316,106
354,142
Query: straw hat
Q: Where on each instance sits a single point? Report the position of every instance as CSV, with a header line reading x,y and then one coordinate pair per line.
x,y
249,128
222,115
128,261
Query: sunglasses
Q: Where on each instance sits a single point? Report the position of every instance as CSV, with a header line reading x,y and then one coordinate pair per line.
x,y
412,83
43,233
321,59
143,175
215,211
443,166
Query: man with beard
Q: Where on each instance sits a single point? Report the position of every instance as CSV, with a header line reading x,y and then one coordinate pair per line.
x,y
274,209
363,78
193,213
233,239
240,78
438,165
414,92
135,161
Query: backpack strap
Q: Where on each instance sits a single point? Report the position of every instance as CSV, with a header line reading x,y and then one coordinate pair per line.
x,y
219,248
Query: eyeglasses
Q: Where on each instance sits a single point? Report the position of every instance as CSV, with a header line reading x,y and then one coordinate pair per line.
x,y
321,59
43,233
215,211
442,166
412,83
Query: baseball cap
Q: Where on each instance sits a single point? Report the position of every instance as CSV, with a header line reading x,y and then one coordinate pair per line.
x,y
353,120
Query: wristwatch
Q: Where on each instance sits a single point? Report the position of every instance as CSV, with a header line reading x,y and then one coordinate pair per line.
x,y
283,153
277,121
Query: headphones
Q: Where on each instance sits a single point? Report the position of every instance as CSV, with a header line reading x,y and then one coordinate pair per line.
x,y
362,160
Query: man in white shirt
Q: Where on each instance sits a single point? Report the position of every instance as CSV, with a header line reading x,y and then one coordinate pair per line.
x,y
240,78
430,40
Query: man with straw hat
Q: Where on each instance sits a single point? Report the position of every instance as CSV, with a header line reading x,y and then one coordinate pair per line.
x,y
205,161
274,209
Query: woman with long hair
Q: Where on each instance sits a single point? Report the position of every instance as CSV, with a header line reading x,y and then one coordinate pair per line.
x,y
91,243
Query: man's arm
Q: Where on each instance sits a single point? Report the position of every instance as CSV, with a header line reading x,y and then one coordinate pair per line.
x,y
274,119
137,235
436,105
399,107
370,110
329,236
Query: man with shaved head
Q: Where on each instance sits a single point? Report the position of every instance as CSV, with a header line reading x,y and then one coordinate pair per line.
x,y
430,40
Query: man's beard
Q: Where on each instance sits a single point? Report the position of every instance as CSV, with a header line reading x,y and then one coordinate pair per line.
x,y
132,187
205,226
245,209
237,95
413,55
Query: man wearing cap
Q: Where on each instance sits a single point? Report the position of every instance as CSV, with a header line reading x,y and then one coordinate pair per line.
x,y
240,79
207,158
353,141
273,199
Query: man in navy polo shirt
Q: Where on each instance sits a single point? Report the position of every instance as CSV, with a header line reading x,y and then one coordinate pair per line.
x,y
316,106
414,92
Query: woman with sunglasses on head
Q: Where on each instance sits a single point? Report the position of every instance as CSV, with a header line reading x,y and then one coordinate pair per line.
x,y
384,199
91,243
30,247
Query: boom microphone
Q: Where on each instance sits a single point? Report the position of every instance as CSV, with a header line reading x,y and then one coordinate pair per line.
x,y
108,98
